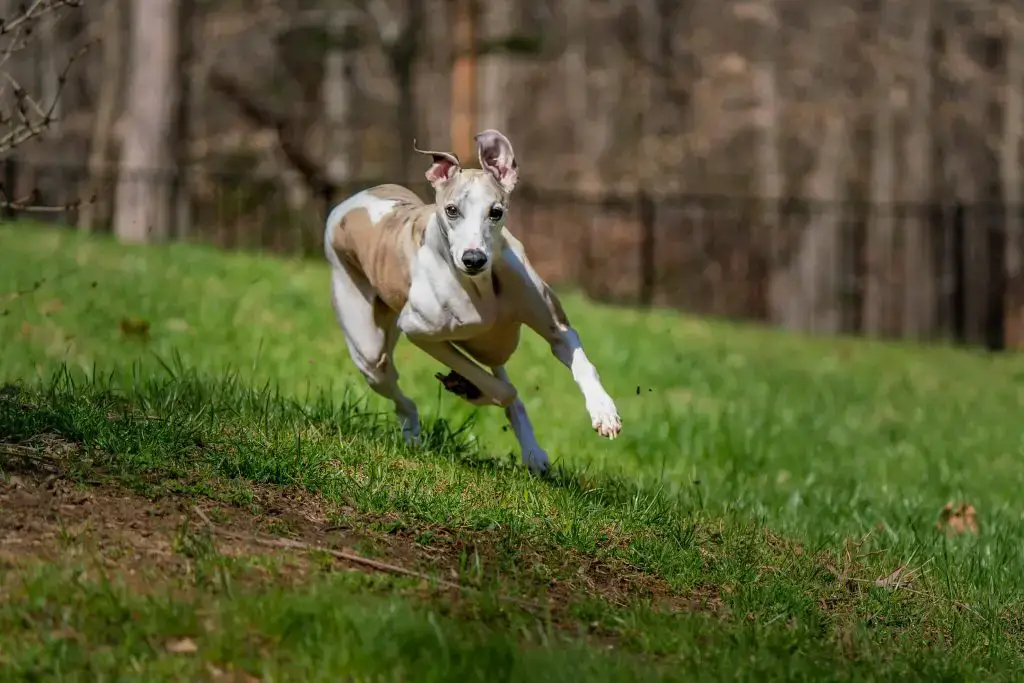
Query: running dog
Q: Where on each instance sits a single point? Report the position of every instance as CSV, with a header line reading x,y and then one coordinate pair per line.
x,y
454,280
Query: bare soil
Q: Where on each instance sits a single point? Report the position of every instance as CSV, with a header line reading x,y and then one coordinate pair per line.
x,y
45,517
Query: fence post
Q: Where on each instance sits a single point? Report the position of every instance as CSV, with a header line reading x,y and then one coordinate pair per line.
x,y
648,278
10,185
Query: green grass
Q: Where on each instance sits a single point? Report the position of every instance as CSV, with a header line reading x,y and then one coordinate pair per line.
x,y
761,485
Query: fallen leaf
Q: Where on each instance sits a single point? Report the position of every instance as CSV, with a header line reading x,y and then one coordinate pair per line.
x,y
958,519
901,578
134,327
182,646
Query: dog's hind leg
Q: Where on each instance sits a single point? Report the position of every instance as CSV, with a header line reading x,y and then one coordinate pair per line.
x,y
371,332
534,457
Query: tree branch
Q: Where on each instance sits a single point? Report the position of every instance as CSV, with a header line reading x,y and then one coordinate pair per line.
x,y
314,174
24,116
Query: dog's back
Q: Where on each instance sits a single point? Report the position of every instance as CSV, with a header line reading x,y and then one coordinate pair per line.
x,y
377,232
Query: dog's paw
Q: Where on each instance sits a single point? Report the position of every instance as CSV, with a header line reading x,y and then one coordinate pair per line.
x,y
411,438
461,387
604,417
537,461
410,429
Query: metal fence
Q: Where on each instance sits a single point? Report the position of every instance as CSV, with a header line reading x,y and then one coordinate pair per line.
x,y
807,265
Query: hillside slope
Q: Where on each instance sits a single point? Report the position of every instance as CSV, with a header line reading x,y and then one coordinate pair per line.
x,y
754,513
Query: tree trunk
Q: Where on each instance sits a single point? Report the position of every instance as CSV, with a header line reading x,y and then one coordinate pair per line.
x,y
590,87
1012,182
144,204
182,121
768,159
463,79
497,21
51,55
436,75
577,93
880,235
101,153
403,54
338,91
808,296
977,188
920,293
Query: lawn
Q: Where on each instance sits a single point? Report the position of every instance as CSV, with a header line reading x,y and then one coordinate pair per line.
x,y
197,485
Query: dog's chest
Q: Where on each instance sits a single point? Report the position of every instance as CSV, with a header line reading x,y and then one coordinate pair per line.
x,y
494,339
441,308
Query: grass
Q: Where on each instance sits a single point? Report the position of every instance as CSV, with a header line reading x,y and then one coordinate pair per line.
x,y
738,528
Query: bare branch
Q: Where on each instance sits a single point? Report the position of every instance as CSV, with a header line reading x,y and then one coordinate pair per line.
x,y
24,115
264,117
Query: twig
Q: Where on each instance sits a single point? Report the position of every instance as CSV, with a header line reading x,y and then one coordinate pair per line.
x,y
906,589
18,293
29,129
28,205
19,450
30,454
386,567
27,118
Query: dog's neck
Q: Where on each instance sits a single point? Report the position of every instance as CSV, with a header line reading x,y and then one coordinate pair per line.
x,y
480,286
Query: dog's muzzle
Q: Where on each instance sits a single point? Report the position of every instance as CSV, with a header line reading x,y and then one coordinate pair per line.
x,y
474,260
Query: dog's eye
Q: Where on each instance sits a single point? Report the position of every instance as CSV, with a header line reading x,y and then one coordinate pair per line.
x,y
451,211
496,213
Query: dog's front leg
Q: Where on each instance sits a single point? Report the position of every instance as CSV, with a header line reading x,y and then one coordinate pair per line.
x,y
543,313
422,319
567,347
496,391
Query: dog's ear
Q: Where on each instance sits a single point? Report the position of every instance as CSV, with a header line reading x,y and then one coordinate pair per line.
x,y
496,156
442,169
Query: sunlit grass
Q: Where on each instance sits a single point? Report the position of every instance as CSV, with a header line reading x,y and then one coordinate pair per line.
x,y
740,445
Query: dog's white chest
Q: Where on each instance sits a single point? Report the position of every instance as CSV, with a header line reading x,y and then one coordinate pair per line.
x,y
440,308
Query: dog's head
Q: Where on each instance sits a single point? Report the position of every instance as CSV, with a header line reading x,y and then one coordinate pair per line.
x,y
472,204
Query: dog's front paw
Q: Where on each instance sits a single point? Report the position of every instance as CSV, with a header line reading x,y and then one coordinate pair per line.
x,y
410,423
455,383
604,417
536,460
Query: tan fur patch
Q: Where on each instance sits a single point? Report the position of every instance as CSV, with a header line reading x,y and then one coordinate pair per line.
x,y
383,251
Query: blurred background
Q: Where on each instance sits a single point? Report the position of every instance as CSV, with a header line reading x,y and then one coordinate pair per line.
x,y
827,166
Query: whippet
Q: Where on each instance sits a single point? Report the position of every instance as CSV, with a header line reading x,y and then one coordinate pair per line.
x,y
453,279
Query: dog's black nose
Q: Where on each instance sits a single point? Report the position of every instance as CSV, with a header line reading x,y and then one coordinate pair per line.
x,y
474,260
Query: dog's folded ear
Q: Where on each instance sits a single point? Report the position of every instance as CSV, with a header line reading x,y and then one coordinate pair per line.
x,y
444,166
496,156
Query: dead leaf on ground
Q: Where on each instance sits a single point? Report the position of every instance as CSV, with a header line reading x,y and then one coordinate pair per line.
x,y
901,578
182,646
134,327
958,519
